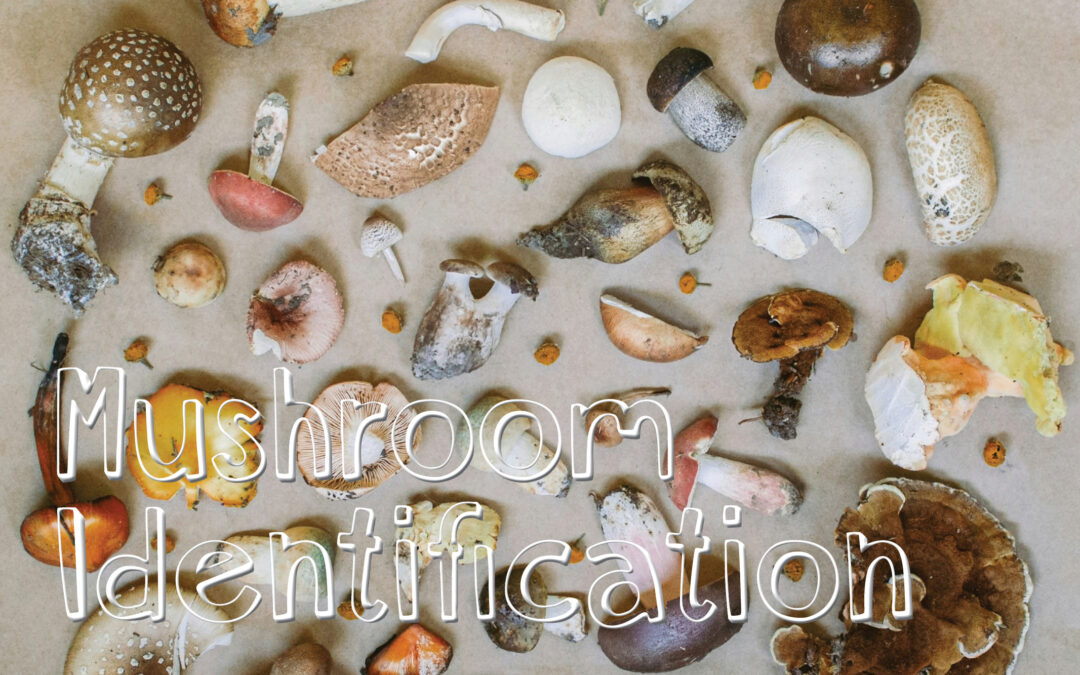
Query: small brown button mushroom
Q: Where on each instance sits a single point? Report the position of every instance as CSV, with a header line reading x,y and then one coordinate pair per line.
x,y
297,314
520,632
189,275
608,417
702,111
308,658
792,327
847,47
252,202
414,651
249,23
643,336
379,235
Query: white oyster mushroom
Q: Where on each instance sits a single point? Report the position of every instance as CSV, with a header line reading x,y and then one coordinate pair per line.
x,y
540,23
571,107
809,178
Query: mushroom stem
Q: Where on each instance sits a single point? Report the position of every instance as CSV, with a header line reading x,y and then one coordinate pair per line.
x,y
574,629
286,8
754,487
392,261
268,139
658,12
700,100
77,172
781,411
540,23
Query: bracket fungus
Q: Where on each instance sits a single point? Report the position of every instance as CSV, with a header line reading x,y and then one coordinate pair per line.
x,y
616,225
271,565
643,336
380,446
629,515
249,23
189,274
418,135
414,651
792,327
981,339
378,235
970,589
571,107
459,331
702,110
656,13
539,23
297,314
128,93
517,626
251,202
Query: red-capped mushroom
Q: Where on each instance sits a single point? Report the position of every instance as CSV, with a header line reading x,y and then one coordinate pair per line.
x,y
297,314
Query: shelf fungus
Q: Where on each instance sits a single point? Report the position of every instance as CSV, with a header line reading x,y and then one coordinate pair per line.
x,y
792,327
970,589
418,135
615,225
414,651
297,314
518,623
249,23
525,18
981,339
232,455
273,565
643,336
809,179
128,94
459,331
704,113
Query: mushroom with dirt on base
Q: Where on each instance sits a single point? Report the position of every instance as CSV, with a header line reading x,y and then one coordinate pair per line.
x,y
378,235
539,23
705,114
297,314
249,23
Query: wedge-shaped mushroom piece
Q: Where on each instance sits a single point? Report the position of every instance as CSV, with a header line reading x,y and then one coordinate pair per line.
x,y
643,336
174,440
414,651
273,565
571,107
378,459
517,626
809,178
539,23
297,314
459,332
308,658
106,644
416,136
971,588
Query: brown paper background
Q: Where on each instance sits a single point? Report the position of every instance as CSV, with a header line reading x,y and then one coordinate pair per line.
x,y
1016,62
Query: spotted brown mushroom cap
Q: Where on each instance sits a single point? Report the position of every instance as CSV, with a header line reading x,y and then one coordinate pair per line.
x,y
130,93
781,325
673,72
297,313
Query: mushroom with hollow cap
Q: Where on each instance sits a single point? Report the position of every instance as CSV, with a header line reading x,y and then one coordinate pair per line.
x,y
513,632
378,458
297,314
379,235
249,23
252,202
705,114
629,515
129,93
643,336
413,651
521,17
792,327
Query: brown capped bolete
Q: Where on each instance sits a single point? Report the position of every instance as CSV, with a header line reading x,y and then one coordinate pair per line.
x,y
297,314
249,23
414,651
847,47
252,202
705,114
792,327
128,93
519,631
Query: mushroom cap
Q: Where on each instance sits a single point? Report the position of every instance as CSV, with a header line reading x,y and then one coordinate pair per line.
x,y
781,325
130,93
685,200
509,630
462,266
108,644
297,313
571,107
250,204
243,23
376,469
106,522
673,72
643,336
515,277
378,234
690,442
189,274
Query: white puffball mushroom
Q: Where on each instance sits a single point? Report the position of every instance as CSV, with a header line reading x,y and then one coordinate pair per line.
x,y
571,107
189,275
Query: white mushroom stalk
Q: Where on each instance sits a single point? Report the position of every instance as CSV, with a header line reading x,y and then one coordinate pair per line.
x,y
286,8
573,629
539,23
76,172
268,139
656,13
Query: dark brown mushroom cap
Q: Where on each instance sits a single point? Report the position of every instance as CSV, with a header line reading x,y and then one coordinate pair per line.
x,y
673,72
298,313
780,326
243,23
130,93
515,277
688,204
509,630
460,266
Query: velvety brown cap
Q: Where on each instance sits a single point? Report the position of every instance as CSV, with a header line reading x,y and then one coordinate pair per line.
x,y
674,72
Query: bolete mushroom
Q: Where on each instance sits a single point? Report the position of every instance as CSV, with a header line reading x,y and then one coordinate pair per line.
x,y
189,274
629,515
792,327
307,658
519,631
252,202
272,565
378,457
705,114
752,486
571,107
970,590
539,23
414,651
249,23
459,331
128,93
297,314
616,225
378,235
643,336
608,416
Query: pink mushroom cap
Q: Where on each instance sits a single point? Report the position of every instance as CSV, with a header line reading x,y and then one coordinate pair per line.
x,y
251,205
693,440
297,313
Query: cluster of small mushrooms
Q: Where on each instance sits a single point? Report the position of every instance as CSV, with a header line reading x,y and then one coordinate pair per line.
x,y
130,93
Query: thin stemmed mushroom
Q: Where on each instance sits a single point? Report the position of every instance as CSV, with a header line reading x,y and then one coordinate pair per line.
x,y
379,234
525,18
252,202
249,23
656,13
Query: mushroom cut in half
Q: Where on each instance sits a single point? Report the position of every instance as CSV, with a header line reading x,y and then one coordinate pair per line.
x,y
378,460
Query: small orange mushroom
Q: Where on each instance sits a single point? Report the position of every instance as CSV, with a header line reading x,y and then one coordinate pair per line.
x,y
994,452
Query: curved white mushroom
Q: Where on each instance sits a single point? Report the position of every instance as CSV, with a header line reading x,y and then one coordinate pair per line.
x,y
656,13
540,23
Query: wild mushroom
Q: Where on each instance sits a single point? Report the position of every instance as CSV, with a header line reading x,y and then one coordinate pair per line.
x,y
614,226
252,202
628,515
608,417
249,23
418,135
459,332
705,114
752,486
520,453
981,339
971,589
809,178
128,93
643,336
571,107
379,235
189,274
378,458
105,519
513,632
174,433
108,642
272,565
414,651
656,13
792,327
308,658
539,23
297,314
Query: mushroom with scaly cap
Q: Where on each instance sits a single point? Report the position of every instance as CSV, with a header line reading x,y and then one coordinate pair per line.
x,y
297,314
378,235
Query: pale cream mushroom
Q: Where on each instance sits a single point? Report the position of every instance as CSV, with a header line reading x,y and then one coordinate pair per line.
x,y
379,235
656,13
531,20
